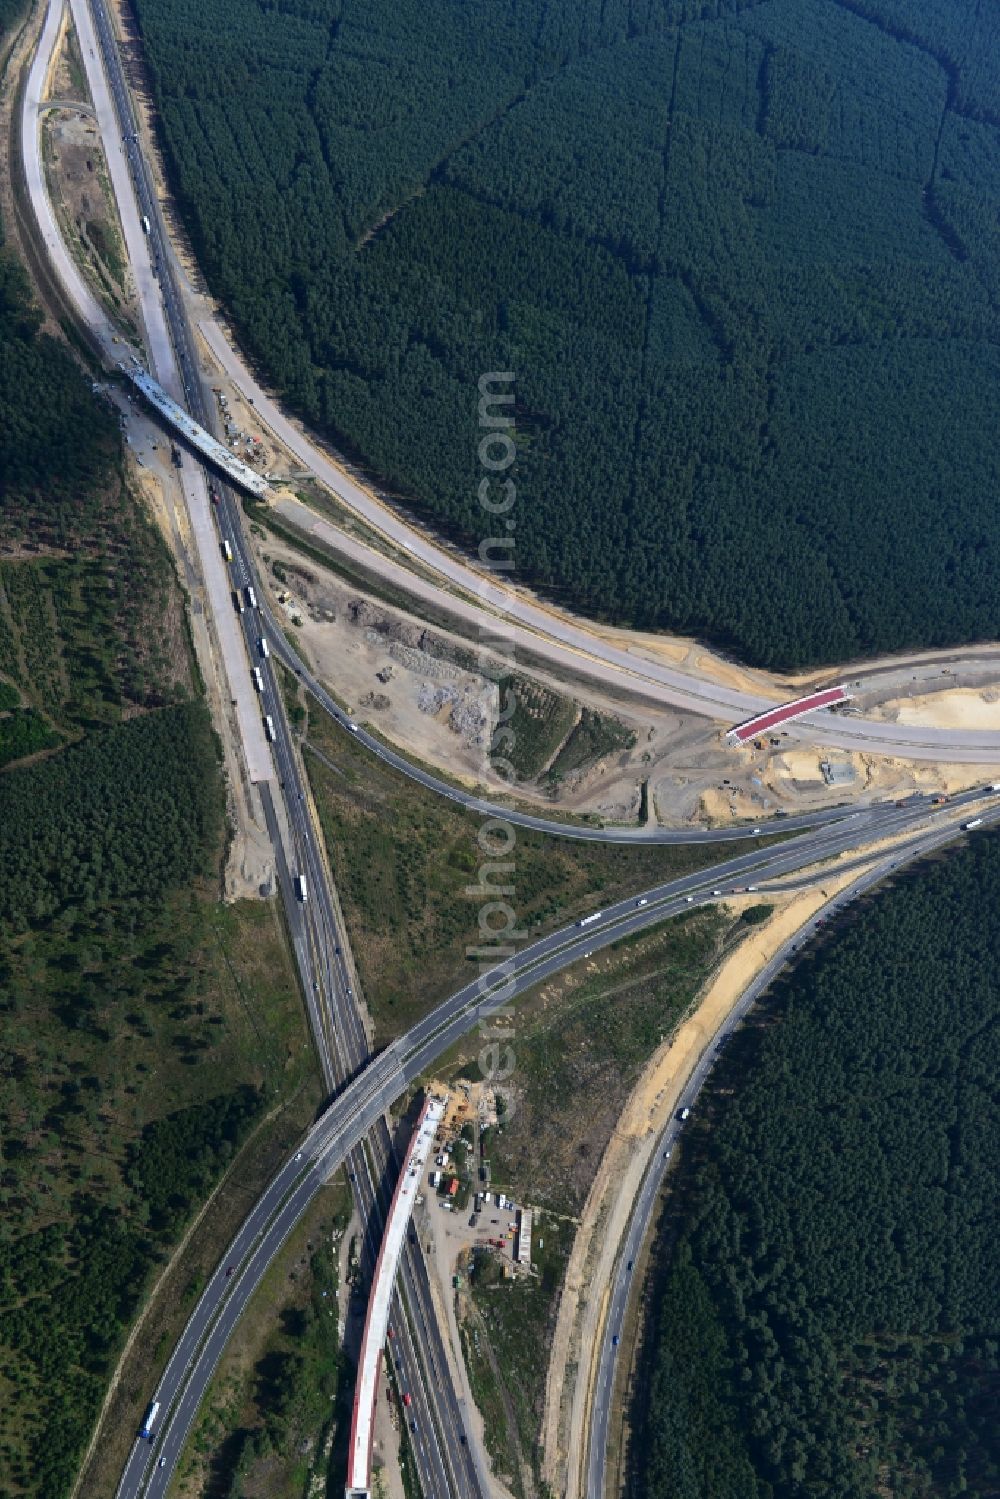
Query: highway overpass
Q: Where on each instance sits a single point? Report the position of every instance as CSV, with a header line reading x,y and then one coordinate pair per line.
x,y
359,1454
209,447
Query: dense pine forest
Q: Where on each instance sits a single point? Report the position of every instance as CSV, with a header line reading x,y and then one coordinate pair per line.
x,y
742,257
139,1023
828,1318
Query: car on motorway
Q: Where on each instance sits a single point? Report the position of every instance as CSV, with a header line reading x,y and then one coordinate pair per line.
x,y
407,1398
754,832
162,1463
642,902
616,1340
298,1155
689,899
230,1269
630,1264
684,1113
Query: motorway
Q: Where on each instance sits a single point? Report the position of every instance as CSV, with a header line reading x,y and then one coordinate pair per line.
x,y
499,612
442,1457
364,1101
529,626
651,833
624,1286
444,1461
496,611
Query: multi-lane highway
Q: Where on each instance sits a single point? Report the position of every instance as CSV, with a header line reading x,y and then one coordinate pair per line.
x,y
604,1375
482,806
364,1101
444,1458
484,602
480,598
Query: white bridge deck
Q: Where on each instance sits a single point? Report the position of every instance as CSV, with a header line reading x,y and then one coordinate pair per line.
x,y
377,1319
208,446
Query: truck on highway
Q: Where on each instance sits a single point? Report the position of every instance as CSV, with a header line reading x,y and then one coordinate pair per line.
x,y
227,551
258,680
975,823
265,649
589,920
300,887
251,597
269,728
144,221
146,1430
238,600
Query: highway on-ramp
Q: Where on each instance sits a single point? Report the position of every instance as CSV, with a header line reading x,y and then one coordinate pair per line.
x,y
327,989
313,938
624,1286
365,1100
497,611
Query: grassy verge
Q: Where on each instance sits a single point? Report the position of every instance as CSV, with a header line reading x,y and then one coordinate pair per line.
x,y
276,1405
155,1053
407,865
580,1044
350,571
507,1329
595,736
534,722
247,1006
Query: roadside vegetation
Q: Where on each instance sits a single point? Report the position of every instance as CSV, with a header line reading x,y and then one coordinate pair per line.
x,y
596,735
826,1315
145,1031
533,723
505,1337
277,1413
732,253
83,572
580,1043
59,453
406,864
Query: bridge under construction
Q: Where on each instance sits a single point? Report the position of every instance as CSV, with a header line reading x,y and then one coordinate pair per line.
x,y
209,447
377,1321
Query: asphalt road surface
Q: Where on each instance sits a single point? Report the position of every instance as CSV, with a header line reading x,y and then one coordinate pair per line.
x,y
364,1101
173,359
313,930
498,612
624,1284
